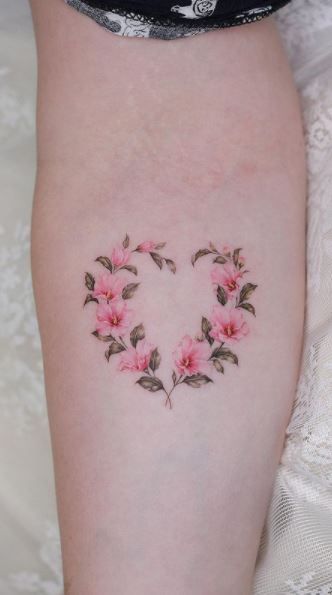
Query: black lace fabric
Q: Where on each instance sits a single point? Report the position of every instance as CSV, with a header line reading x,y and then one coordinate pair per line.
x,y
169,19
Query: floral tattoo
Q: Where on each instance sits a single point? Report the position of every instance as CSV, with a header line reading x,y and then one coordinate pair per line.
x,y
195,358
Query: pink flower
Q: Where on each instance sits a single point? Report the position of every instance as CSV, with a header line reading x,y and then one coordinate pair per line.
x,y
120,256
108,286
227,276
113,318
147,246
228,324
136,360
191,356
226,249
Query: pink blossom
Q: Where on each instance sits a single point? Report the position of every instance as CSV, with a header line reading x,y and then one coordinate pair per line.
x,y
113,318
108,286
147,246
136,359
191,356
227,276
228,324
226,249
120,256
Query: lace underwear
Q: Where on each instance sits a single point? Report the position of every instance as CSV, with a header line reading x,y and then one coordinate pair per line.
x,y
164,19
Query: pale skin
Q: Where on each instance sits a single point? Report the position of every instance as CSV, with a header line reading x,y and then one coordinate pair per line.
x,y
185,141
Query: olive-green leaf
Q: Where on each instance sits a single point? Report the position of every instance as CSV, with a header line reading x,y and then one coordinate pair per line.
x,y
249,307
129,290
224,354
197,380
199,254
221,295
206,326
220,259
218,351
157,259
150,384
171,265
114,348
90,298
137,334
246,291
155,360
218,366
236,255
125,242
105,261
106,338
129,267
160,245
89,281
212,247
174,377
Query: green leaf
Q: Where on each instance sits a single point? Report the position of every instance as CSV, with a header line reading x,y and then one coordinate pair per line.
x,y
246,292
220,259
160,246
125,242
197,380
105,261
157,259
137,334
174,377
221,295
155,360
171,265
206,326
90,298
114,348
105,338
89,281
212,247
218,351
224,354
218,366
236,255
199,254
129,290
129,267
150,384
249,307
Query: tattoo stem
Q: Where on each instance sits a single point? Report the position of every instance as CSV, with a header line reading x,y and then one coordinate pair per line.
x,y
168,394
168,400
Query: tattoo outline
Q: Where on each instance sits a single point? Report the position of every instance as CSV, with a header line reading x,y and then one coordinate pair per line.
x,y
194,357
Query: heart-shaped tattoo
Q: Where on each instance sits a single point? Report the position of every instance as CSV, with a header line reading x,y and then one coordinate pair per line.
x,y
195,358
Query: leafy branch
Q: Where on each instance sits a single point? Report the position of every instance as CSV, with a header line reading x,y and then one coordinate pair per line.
x,y
245,293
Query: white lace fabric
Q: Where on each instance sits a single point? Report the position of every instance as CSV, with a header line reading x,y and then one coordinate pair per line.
x,y
295,557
